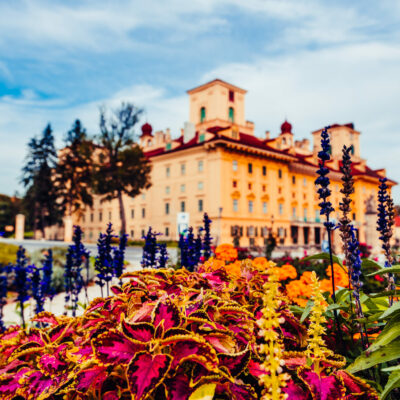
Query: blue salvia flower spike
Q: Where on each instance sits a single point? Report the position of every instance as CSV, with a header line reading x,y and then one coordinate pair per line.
x,y
119,256
37,289
163,255
22,281
149,256
207,237
47,269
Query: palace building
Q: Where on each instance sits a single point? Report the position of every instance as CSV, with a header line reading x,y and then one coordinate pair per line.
x,y
248,185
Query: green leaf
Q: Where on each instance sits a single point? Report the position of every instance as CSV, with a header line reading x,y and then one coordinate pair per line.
x,y
392,383
307,310
388,353
390,369
391,310
387,293
296,309
324,256
390,332
395,269
371,263
204,392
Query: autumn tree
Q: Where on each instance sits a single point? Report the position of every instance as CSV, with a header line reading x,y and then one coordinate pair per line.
x,y
122,168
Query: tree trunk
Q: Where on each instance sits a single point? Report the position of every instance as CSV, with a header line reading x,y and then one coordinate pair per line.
x,y
42,227
122,213
35,221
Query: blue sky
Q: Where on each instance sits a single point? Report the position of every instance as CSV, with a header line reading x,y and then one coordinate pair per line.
x,y
314,62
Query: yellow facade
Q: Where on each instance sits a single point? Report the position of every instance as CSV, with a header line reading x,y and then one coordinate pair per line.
x,y
246,184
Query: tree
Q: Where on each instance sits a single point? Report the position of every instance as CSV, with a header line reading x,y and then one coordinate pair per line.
x,y
38,179
74,170
122,168
9,208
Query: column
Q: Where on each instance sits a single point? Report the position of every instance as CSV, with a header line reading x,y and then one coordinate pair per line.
x,y
68,229
19,226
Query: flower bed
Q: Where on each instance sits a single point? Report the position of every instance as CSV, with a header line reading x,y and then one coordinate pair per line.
x,y
180,335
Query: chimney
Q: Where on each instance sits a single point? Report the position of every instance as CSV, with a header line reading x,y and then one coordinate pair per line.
x,y
267,135
189,131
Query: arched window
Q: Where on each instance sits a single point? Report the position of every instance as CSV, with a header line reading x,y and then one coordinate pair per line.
x,y
202,114
231,114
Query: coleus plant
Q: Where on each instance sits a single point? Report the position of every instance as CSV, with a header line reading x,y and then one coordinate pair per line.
x,y
164,334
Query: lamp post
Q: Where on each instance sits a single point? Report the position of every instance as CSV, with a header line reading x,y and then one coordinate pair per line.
x,y
219,225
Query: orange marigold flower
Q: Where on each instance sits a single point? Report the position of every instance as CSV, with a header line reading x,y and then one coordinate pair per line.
x,y
261,263
226,252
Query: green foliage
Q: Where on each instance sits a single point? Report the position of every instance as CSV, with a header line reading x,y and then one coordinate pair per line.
x,y
38,172
74,170
8,253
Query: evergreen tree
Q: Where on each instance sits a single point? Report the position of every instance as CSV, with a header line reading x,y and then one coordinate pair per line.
x,y
38,178
74,170
122,167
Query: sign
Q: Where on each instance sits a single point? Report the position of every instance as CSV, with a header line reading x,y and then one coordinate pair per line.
x,y
182,220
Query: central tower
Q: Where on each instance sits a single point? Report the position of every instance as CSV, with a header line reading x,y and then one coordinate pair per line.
x,y
218,104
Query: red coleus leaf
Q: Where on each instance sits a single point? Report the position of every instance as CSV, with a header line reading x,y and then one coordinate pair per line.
x,y
91,377
256,368
145,372
235,363
140,331
51,364
167,314
113,395
143,314
179,386
60,331
356,387
9,383
45,317
241,392
184,348
295,392
321,387
114,348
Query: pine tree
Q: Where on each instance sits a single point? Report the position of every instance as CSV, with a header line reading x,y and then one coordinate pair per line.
x,y
38,178
74,170
122,167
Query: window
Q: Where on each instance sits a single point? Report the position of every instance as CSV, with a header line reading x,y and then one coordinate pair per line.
x,y
202,137
250,168
294,212
91,235
317,215
143,212
250,186
304,182
264,170
166,208
263,188
91,217
132,233
200,186
109,215
202,114
234,184
231,95
167,172
200,166
143,234
279,173
143,196
251,204
280,208
235,205
280,190
132,213
167,189
100,216
166,231
305,214
264,207
183,188
200,205
354,216
183,206
168,146
231,115
235,165
183,169
293,179
83,218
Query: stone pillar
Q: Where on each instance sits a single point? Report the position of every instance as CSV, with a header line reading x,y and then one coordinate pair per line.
x,y
19,226
68,229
